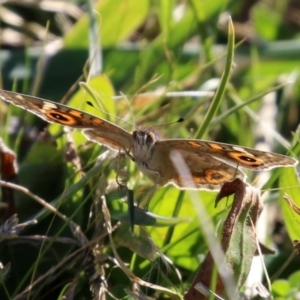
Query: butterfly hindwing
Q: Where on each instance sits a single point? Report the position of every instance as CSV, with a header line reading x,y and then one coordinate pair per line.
x,y
204,172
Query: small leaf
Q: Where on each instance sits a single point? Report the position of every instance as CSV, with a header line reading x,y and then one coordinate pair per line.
x,y
238,240
288,184
139,242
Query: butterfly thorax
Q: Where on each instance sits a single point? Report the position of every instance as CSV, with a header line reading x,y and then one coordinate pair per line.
x,y
143,143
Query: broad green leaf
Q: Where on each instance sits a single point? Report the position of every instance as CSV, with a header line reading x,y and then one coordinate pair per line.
x,y
289,184
116,22
281,288
266,22
165,11
206,10
100,92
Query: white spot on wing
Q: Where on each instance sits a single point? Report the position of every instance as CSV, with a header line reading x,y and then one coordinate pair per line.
x,y
237,148
49,105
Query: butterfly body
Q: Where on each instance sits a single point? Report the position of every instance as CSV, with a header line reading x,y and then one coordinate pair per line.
x,y
210,163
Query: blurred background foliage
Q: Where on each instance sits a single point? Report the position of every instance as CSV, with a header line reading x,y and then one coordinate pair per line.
x,y
145,52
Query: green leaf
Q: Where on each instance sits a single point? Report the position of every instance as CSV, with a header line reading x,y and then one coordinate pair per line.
x,y
222,86
289,183
281,288
139,242
143,217
116,23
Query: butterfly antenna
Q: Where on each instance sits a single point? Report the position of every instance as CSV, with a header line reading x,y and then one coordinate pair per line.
x,y
167,123
111,115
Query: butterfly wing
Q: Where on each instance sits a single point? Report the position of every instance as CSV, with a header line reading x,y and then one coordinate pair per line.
x,y
236,156
114,138
210,164
205,172
96,129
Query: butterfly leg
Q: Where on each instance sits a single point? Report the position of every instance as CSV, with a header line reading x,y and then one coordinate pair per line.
x,y
127,152
154,174
121,173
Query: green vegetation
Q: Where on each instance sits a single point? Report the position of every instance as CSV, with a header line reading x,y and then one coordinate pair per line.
x,y
147,54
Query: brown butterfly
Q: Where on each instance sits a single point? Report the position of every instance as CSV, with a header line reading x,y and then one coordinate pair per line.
x,y
210,163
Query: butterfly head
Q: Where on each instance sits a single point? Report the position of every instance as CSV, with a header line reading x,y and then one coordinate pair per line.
x,y
144,138
143,141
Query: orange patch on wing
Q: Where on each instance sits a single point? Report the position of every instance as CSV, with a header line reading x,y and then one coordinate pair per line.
x,y
75,113
62,118
216,176
208,176
97,121
199,180
246,159
195,144
215,146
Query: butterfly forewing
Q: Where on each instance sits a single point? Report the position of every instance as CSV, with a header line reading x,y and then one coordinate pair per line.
x,y
101,131
235,155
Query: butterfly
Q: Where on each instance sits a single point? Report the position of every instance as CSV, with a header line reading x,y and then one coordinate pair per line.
x,y
210,164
